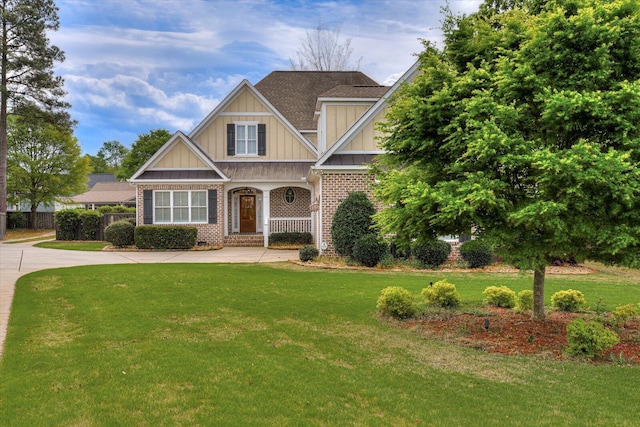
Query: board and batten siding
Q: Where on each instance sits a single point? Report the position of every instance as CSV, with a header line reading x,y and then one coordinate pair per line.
x,y
180,157
339,118
367,138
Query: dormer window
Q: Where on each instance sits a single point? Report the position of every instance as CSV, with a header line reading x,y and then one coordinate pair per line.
x,y
246,139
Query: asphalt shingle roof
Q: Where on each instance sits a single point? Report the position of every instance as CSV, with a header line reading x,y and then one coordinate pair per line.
x,y
294,93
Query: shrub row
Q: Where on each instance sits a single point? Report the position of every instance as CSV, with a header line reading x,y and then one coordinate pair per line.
x,y
68,220
291,238
116,209
165,237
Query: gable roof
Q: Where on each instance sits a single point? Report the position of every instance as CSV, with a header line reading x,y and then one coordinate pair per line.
x,y
356,91
95,178
363,121
108,193
294,93
177,138
276,112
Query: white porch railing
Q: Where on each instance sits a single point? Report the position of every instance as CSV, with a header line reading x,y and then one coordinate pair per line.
x,y
291,225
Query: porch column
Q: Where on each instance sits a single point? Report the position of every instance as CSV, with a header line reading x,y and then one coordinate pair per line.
x,y
266,214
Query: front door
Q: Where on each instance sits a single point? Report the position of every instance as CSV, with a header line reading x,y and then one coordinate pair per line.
x,y
247,214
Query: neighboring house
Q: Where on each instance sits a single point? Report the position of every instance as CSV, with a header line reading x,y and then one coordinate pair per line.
x,y
276,156
92,180
107,193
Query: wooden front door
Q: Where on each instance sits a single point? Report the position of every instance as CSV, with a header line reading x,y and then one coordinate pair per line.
x,y
247,214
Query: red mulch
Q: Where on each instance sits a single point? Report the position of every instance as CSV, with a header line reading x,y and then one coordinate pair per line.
x,y
514,333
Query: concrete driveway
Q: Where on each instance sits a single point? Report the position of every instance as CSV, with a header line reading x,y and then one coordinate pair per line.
x,y
18,259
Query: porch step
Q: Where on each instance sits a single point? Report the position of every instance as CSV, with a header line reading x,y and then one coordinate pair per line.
x,y
244,240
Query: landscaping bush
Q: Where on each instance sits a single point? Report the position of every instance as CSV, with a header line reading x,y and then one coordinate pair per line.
x,y
116,209
569,300
351,221
524,300
16,220
589,339
90,221
500,296
398,251
396,302
369,250
433,253
308,253
443,294
67,221
625,312
120,233
290,238
165,237
476,253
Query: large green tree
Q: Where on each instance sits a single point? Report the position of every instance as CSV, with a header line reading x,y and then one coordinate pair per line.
x,y
44,163
27,81
525,128
142,149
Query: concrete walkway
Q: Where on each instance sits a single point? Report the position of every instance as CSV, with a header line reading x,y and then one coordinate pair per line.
x,y
18,259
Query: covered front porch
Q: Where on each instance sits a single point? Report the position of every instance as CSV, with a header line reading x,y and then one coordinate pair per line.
x,y
255,211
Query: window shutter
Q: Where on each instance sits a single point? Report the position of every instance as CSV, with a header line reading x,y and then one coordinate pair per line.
x,y
231,139
213,206
147,206
262,139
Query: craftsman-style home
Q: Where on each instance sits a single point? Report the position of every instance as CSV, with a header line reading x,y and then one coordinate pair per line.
x,y
272,157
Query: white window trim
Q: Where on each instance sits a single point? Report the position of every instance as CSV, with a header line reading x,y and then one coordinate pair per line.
x,y
284,196
246,124
189,207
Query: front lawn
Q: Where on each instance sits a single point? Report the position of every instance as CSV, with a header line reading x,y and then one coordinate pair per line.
x,y
74,245
239,344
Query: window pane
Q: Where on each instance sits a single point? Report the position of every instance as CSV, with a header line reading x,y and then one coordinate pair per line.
x,y
252,147
163,215
198,214
253,130
180,198
199,198
240,132
162,198
180,214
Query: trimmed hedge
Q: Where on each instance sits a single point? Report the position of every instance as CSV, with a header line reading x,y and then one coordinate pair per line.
x,y
291,238
165,237
432,253
120,233
116,209
67,221
16,220
308,253
90,221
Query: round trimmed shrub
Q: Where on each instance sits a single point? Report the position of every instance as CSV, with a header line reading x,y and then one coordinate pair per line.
x,y
308,253
622,313
395,301
569,300
120,233
369,250
525,300
589,339
500,296
351,221
433,253
443,294
476,253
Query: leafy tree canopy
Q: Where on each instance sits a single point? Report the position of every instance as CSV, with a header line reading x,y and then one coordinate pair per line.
x,y
142,149
525,129
44,163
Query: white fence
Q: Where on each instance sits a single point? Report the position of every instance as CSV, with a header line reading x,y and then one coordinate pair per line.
x,y
291,225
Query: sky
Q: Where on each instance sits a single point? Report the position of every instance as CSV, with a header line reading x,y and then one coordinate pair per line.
x,y
132,66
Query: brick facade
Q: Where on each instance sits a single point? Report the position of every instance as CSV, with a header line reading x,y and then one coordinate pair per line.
x,y
298,209
335,188
212,234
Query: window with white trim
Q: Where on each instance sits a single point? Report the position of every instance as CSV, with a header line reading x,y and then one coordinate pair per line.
x,y
180,206
246,139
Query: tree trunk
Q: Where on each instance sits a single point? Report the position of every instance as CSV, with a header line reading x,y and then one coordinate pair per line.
x,y
538,292
3,124
34,216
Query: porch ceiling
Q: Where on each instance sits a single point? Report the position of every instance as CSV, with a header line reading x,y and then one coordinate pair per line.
x,y
265,171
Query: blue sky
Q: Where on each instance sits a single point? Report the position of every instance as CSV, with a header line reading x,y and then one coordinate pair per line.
x,y
136,65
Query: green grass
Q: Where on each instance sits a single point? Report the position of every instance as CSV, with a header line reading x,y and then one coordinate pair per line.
x,y
269,345
74,245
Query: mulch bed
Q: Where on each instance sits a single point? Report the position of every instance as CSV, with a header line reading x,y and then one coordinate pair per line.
x,y
514,333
